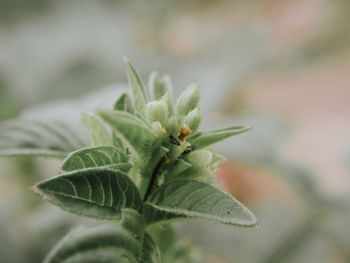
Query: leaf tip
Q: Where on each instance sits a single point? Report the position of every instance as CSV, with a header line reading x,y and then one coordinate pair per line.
x,y
36,189
102,113
247,128
126,60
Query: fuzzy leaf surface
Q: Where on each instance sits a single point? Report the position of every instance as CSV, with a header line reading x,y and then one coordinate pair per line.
x,y
96,192
175,168
138,135
201,140
98,133
102,244
200,161
137,88
157,88
193,199
151,253
124,103
97,156
161,88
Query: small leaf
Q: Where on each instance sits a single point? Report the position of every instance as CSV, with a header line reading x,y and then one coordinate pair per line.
x,y
158,86
138,135
193,119
192,199
215,161
98,133
101,244
201,140
199,166
187,101
96,156
151,253
178,167
137,88
156,111
95,192
161,88
124,104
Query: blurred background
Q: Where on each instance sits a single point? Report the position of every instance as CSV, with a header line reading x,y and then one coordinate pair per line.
x,y
281,66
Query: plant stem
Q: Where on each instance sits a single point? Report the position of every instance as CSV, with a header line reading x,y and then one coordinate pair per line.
x,y
153,179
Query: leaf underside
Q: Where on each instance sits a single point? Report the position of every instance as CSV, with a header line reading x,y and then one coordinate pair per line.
x,y
151,253
102,244
47,137
193,199
96,192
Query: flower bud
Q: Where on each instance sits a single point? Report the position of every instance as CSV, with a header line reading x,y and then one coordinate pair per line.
x,y
193,119
156,111
184,132
158,128
188,100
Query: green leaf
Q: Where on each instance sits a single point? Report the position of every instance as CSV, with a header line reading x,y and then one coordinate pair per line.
x,y
134,222
199,162
151,253
164,236
201,140
98,133
177,167
17,152
118,142
193,119
187,101
160,88
215,161
101,244
157,87
172,249
193,199
97,156
41,136
138,135
156,111
95,192
124,104
137,88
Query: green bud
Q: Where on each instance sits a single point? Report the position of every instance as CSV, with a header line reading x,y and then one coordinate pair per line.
x,y
193,119
188,100
156,111
172,126
158,128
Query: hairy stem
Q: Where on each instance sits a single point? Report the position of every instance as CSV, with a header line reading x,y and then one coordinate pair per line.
x,y
153,179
